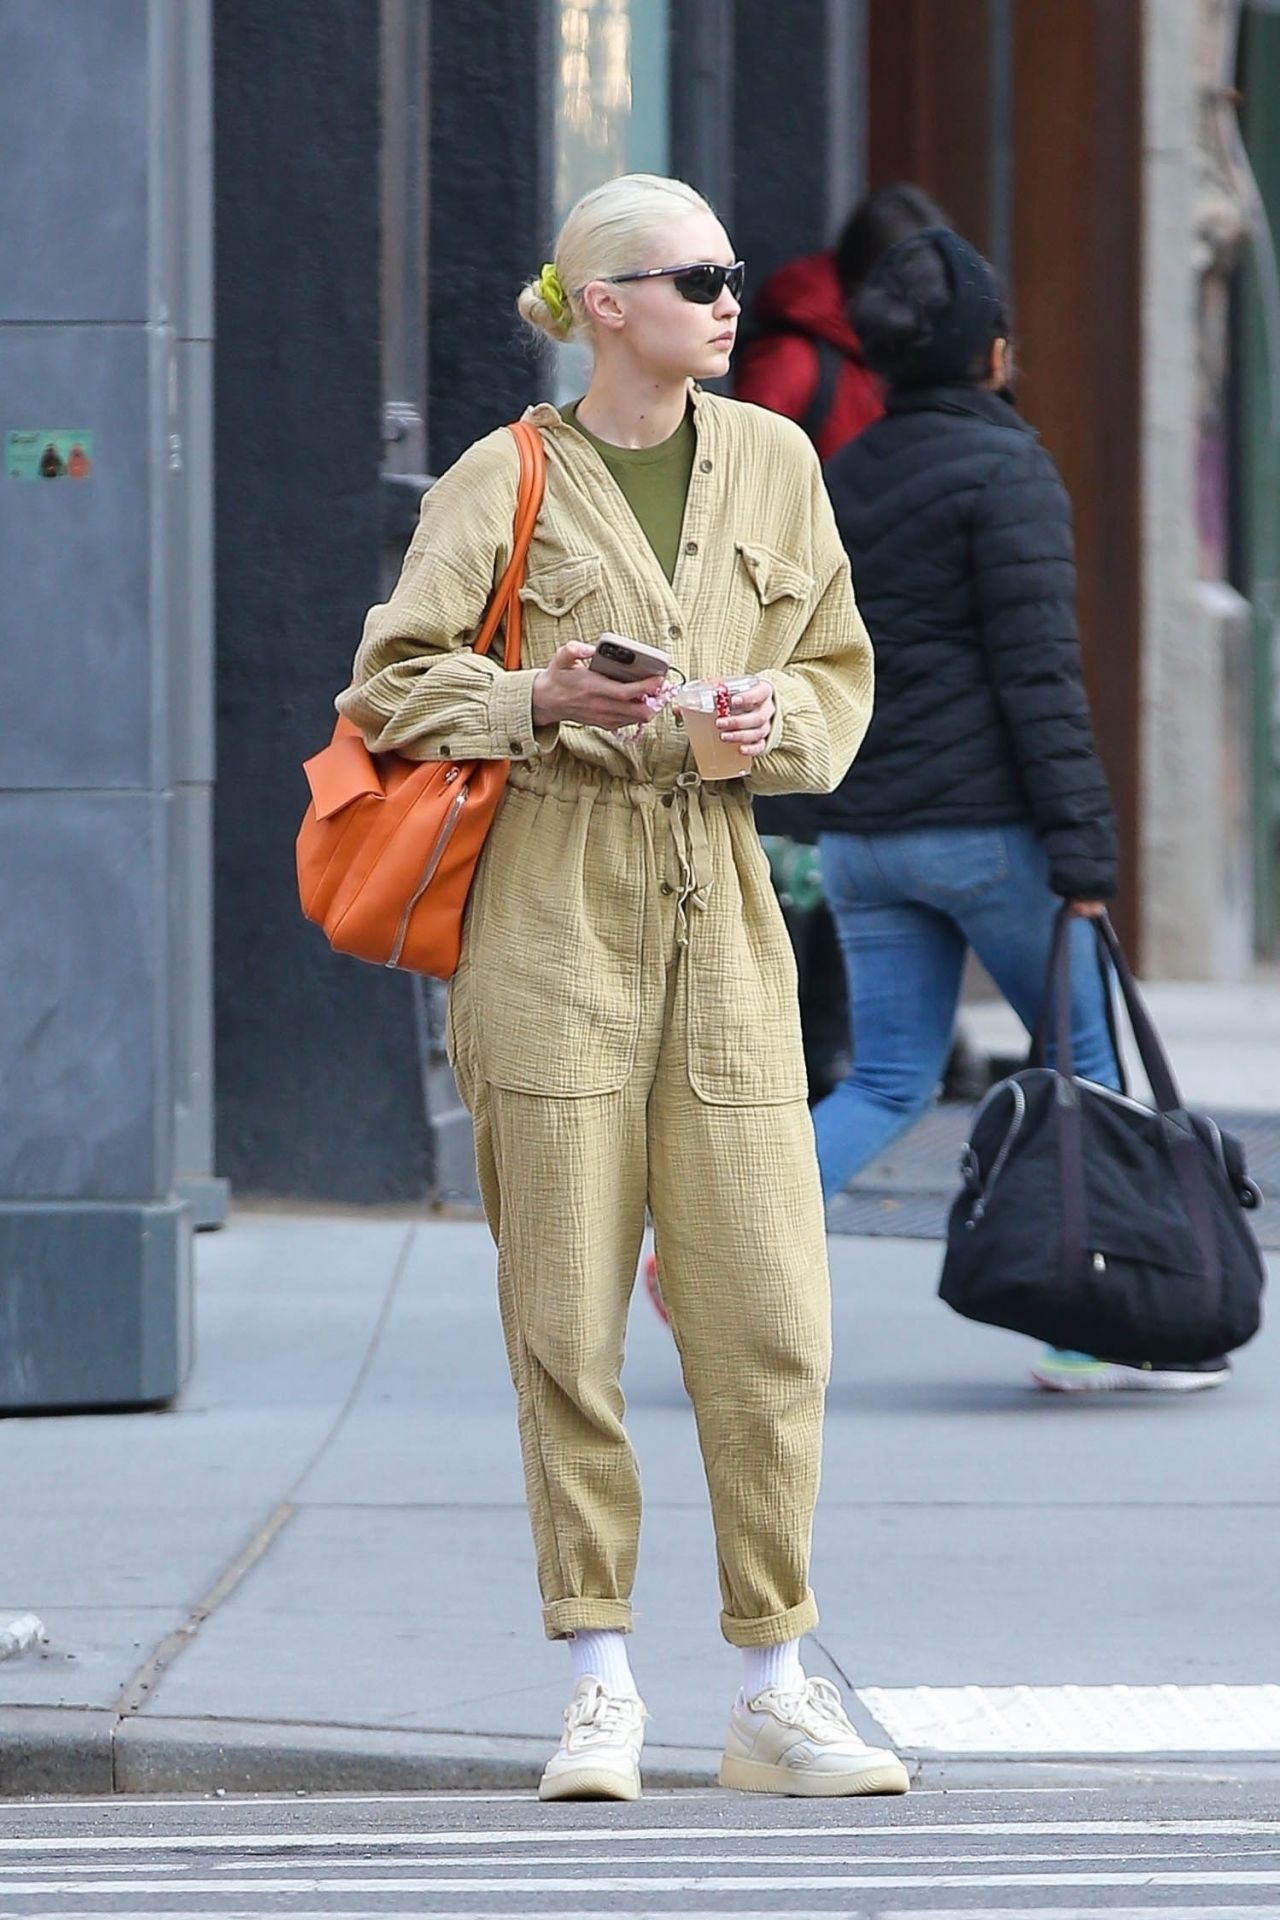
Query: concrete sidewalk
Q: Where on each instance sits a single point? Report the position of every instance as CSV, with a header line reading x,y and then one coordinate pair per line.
x,y
315,1571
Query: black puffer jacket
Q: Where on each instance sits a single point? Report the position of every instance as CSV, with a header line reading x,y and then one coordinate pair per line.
x,y
959,531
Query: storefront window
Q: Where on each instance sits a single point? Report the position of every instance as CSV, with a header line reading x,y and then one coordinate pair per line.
x,y
611,110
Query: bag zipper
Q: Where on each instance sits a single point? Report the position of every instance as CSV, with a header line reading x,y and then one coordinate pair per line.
x,y
1123,1100
445,835
1108,1093
1006,1146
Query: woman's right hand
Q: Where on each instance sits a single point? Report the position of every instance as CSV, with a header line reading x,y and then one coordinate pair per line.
x,y
566,689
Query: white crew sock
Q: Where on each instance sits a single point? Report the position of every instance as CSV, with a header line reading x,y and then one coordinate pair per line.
x,y
777,1666
603,1652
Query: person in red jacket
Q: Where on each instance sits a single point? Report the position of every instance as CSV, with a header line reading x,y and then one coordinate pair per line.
x,y
802,357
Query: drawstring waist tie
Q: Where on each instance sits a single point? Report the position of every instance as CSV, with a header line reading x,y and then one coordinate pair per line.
x,y
688,861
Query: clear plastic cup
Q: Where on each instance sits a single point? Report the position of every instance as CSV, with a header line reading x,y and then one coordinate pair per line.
x,y
716,759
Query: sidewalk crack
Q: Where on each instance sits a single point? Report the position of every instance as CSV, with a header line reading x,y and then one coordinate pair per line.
x,y
137,1690
135,1693
366,1367
827,1655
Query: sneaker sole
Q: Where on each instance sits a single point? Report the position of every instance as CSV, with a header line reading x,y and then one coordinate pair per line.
x,y
1128,1380
589,1783
756,1776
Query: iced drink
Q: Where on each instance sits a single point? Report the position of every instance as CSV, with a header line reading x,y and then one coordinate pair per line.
x,y
702,702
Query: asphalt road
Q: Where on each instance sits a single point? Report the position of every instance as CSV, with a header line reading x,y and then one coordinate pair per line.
x,y
1203,1845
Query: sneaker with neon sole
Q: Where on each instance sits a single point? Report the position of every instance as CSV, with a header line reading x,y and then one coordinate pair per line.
x,y
1059,1371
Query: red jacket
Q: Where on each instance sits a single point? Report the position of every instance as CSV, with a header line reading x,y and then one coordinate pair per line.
x,y
780,370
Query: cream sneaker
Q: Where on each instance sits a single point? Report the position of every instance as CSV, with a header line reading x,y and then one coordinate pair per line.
x,y
800,1741
599,1756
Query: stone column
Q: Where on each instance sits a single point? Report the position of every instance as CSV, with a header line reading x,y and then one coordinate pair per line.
x,y
1196,907
103,383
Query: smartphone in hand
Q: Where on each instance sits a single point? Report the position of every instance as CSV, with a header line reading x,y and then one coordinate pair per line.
x,y
621,659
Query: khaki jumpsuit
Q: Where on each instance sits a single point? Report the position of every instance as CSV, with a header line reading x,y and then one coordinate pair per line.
x,y
623,1025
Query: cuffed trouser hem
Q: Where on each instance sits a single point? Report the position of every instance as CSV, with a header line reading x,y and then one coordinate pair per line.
x,y
563,1617
774,1629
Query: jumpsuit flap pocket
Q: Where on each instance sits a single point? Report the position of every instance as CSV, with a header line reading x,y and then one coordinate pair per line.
x,y
743,1004
559,587
553,949
773,577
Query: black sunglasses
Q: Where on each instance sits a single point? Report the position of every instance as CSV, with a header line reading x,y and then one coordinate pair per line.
x,y
702,283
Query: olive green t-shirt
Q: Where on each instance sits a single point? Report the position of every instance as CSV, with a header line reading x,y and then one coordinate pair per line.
x,y
655,481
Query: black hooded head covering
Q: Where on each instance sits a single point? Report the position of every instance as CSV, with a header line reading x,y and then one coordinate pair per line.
x,y
915,342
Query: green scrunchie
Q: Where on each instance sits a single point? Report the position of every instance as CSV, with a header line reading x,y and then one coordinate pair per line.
x,y
551,289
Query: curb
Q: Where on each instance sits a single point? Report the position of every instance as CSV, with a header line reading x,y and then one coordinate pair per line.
x,y
85,1751
56,1750
93,1751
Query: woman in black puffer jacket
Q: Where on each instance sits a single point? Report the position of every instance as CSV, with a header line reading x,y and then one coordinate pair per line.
x,y
977,803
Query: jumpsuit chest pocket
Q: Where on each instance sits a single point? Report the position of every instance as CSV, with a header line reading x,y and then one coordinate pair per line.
x,y
567,593
770,596
772,576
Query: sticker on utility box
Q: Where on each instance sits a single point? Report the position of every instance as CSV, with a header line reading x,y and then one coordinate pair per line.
x,y
45,453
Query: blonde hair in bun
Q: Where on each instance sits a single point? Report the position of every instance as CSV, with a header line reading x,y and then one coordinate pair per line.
x,y
609,231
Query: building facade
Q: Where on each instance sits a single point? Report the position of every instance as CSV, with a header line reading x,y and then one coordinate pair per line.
x,y
429,161
315,219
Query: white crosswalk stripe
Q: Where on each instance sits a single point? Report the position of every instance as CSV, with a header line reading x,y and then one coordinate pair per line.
x,y
287,1840
242,1862
687,1913
652,1883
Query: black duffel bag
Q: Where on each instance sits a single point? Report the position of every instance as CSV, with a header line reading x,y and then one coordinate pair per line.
x,y
1095,1223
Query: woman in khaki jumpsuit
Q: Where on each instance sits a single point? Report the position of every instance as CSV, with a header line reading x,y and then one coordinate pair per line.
x,y
623,1025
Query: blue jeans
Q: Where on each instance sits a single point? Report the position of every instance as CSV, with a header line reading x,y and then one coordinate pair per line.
x,y
907,907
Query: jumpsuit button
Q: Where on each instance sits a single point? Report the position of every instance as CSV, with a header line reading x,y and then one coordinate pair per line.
x,y
704,466
444,749
666,887
673,633
691,546
515,747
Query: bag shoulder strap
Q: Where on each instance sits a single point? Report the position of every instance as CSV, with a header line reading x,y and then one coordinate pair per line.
x,y
506,596
830,366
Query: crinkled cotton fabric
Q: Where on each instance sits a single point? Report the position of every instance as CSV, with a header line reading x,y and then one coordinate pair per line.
x,y
625,1007
762,586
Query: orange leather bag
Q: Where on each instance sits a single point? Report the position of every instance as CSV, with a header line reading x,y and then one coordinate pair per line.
x,y
388,846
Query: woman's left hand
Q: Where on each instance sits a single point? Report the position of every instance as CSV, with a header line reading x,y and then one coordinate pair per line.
x,y
749,721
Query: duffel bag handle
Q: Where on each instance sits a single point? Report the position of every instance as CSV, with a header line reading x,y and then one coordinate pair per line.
x,y
1185,1157
1155,1060
1056,998
1056,1005
1055,1002
1184,1154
